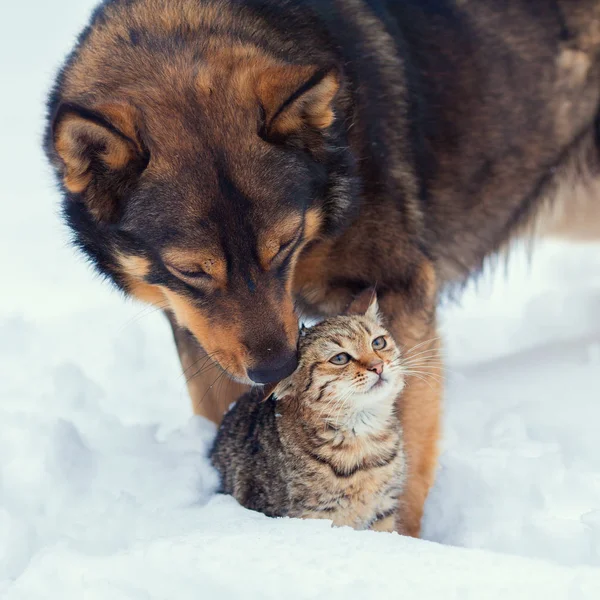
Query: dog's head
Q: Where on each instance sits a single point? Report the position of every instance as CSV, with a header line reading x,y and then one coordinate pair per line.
x,y
196,183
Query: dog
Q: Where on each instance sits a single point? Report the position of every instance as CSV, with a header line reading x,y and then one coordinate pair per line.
x,y
237,163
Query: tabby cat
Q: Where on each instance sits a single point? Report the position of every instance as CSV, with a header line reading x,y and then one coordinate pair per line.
x,y
327,443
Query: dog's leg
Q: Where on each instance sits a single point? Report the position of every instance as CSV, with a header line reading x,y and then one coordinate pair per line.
x,y
412,323
210,389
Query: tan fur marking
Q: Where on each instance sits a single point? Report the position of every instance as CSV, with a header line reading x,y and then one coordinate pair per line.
x,y
290,320
76,183
419,405
191,260
428,279
223,341
148,293
310,279
574,66
279,235
136,266
135,269
318,105
125,118
74,135
211,392
312,223
314,107
204,80
276,83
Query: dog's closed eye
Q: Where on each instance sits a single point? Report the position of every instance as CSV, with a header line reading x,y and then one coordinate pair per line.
x,y
284,248
195,266
195,273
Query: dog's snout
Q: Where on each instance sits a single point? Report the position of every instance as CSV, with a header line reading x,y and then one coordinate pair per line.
x,y
275,369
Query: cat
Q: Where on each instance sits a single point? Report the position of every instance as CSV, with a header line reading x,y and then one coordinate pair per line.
x,y
327,443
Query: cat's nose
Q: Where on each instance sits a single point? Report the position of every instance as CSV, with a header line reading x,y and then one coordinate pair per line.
x,y
274,369
376,367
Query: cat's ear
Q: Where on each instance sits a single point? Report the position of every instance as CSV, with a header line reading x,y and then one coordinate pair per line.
x,y
373,311
303,330
365,304
283,389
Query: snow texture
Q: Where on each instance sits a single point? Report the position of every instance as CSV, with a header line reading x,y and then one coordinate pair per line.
x,y
105,489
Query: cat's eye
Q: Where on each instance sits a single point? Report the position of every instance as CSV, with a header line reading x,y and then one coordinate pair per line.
x,y
379,343
340,359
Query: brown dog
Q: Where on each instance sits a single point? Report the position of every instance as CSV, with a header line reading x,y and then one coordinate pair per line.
x,y
231,162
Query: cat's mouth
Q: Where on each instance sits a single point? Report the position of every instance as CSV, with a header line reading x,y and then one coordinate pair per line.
x,y
378,384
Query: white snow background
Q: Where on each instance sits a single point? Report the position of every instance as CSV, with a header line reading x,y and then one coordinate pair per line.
x,y
105,489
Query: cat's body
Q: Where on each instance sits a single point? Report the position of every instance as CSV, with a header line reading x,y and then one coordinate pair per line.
x,y
327,443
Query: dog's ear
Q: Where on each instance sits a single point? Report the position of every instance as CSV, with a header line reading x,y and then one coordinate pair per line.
x,y
100,155
365,304
294,97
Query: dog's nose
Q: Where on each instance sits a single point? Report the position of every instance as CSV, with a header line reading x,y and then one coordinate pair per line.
x,y
275,369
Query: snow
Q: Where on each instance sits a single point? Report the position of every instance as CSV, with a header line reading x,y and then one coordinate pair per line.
x,y
105,489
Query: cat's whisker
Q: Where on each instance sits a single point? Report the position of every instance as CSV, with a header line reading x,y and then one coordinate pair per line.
x,y
439,367
425,375
431,340
422,360
336,401
436,351
425,357
436,338
421,379
327,405
431,352
351,391
418,364
332,399
340,407
402,360
425,360
435,372
419,369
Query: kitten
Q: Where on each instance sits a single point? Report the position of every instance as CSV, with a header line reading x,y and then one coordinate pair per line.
x,y
327,443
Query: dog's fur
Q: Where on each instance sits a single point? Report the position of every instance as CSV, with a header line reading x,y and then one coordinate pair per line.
x,y
223,160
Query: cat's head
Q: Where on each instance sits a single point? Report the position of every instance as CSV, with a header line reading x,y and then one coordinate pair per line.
x,y
347,364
